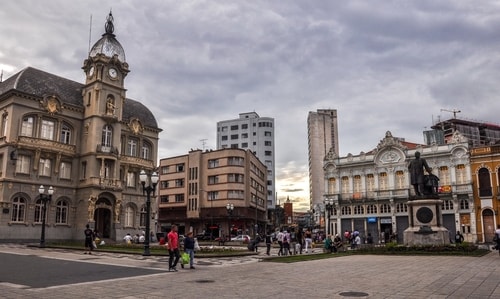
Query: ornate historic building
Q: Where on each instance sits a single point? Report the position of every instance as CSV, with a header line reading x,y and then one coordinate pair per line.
x,y
368,192
485,165
196,189
88,141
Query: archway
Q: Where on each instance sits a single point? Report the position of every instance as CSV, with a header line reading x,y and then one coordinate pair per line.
x,y
103,217
488,225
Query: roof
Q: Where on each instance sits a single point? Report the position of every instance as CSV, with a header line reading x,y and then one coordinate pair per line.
x,y
38,83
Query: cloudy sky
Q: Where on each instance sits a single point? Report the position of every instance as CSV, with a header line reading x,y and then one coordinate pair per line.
x,y
384,65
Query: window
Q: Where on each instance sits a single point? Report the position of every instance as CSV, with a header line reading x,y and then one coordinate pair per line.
x,y
146,151
383,181
244,145
84,170
163,184
142,219
129,217
400,180
244,135
356,182
371,209
484,182
359,210
235,178
107,170
385,208
461,174
213,163
107,134
235,145
131,179
179,183
5,122
234,136
267,143
47,131
65,134
213,179
268,153
234,127
346,211
27,126
179,167
132,147
345,184
401,208
235,194
163,198
164,169
224,138
332,186
23,164
447,205
179,198
62,212
18,209
464,204
223,129
65,170
267,134
244,126
370,182
213,195
444,176
39,212
238,161
44,167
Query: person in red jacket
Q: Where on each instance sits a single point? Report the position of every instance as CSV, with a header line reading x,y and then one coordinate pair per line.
x,y
173,248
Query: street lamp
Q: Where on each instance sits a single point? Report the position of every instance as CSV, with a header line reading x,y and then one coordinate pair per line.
x,y
230,209
44,199
143,177
329,208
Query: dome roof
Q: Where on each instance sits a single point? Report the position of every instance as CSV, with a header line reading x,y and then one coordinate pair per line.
x,y
108,45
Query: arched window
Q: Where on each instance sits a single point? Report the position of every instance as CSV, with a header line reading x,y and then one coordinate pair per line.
x,y
62,212
146,151
371,209
461,174
132,147
464,204
332,188
38,211
359,210
345,184
370,182
400,180
357,183
484,182
383,181
129,216
346,210
447,205
385,208
143,216
401,208
65,134
18,209
107,134
444,176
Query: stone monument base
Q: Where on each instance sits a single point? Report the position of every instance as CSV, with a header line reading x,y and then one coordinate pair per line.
x,y
425,224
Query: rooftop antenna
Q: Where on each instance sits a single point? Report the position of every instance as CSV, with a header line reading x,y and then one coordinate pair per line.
x,y
454,111
203,143
90,32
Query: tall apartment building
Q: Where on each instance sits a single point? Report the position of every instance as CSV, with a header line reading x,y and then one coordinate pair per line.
x,y
195,191
86,140
250,131
477,133
322,135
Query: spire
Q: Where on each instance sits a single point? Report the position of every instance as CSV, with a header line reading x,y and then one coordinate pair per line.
x,y
109,27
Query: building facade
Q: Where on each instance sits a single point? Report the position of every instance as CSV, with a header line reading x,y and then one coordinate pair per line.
x,y
477,133
322,136
485,165
250,131
369,192
196,190
88,141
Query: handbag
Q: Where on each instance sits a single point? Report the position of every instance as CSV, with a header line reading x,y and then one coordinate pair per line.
x,y
185,258
196,245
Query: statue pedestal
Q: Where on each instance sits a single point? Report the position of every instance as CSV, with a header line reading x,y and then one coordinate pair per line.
x,y
425,224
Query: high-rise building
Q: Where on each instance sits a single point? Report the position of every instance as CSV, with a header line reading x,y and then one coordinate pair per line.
x,y
250,131
477,133
322,135
87,141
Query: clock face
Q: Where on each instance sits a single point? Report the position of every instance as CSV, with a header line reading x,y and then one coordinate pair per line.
x,y
112,73
91,71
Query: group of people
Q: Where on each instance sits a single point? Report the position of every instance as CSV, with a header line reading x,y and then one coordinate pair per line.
x,y
293,242
334,245
174,252
135,239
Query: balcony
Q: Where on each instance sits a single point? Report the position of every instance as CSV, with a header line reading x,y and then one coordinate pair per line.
x,y
104,183
46,145
107,150
136,161
461,188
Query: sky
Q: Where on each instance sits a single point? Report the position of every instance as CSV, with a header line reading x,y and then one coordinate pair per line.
x,y
394,66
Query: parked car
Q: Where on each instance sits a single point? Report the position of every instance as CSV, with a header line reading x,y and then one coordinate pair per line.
x,y
242,238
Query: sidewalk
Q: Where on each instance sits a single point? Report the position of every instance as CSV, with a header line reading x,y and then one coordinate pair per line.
x,y
342,277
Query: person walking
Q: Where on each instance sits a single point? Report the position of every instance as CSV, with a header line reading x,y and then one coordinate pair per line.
x,y
173,249
308,237
189,249
280,242
89,240
269,241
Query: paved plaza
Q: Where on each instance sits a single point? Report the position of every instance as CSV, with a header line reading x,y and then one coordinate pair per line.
x,y
368,276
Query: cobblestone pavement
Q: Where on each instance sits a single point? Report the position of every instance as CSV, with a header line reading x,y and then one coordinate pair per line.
x,y
359,276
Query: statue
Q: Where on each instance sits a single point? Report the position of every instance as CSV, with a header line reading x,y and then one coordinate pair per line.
x,y
91,208
117,210
416,169
110,106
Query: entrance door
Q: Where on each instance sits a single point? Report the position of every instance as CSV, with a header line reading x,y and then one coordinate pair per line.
x,y
385,232
488,226
102,219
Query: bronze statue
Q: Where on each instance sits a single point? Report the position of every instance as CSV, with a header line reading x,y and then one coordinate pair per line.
x,y
416,169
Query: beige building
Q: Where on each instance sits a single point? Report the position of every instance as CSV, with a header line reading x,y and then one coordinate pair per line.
x,y
322,135
196,189
88,141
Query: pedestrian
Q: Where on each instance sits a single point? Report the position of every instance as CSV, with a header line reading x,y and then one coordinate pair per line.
x,y
337,243
356,241
257,240
189,249
459,238
269,241
300,240
308,238
173,249
369,239
89,240
328,244
127,239
280,242
286,243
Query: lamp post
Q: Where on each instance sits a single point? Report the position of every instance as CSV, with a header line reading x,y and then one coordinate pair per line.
x,y
44,199
230,209
153,180
329,209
